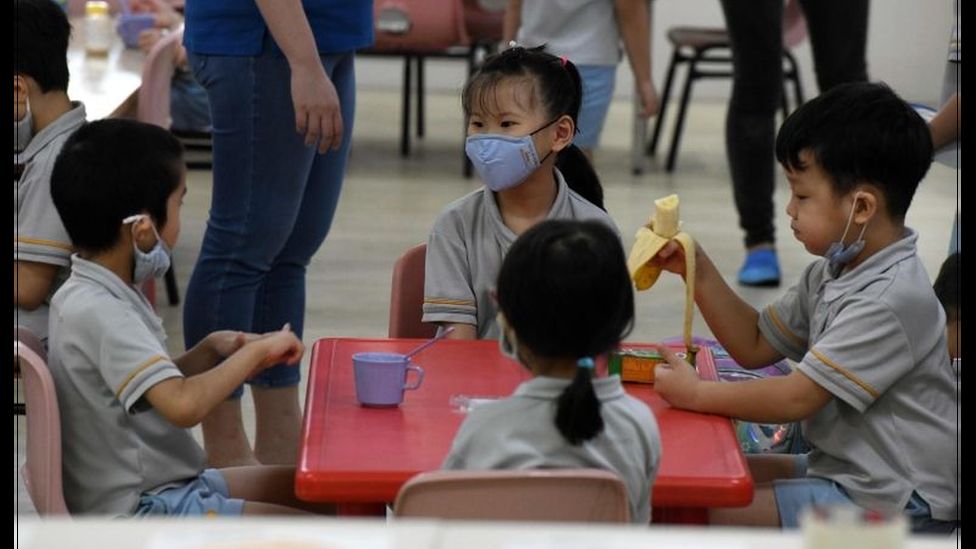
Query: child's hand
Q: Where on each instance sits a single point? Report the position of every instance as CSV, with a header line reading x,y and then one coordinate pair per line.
x,y
281,346
224,343
671,258
148,39
677,381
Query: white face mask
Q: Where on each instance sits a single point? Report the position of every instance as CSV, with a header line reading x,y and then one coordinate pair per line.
x,y
508,345
23,132
838,255
153,263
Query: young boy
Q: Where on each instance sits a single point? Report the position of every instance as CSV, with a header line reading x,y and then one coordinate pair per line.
x,y
873,385
126,405
44,117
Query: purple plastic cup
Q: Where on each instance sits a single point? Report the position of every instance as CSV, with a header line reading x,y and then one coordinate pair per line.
x,y
131,24
381,378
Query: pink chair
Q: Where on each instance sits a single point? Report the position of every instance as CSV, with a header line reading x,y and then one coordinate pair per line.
x,y
27,337
407,295
42,471
154,102
549,495
416,30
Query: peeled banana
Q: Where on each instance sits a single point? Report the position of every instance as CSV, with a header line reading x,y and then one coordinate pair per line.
x,y
664,226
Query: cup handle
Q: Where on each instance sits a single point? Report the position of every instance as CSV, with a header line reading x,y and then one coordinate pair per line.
x,y
420,378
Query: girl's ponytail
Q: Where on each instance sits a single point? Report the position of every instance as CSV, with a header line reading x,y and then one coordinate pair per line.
x,y
578,409
579,174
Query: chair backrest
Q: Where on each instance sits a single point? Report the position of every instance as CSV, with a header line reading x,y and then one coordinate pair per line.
x,y
157,74
418,26
24,335
560,495
407,295
42,470
484,19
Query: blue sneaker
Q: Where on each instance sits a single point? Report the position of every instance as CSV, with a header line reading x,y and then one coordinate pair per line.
x,y
760,269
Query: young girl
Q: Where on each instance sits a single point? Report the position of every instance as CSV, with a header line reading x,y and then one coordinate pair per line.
x,y
521,109
565,298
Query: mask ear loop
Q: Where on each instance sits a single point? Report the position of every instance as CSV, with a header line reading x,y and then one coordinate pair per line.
x,y
850,219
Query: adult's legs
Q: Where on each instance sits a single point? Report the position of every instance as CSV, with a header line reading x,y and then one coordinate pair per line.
x,y
755,30
261,167
282,296
838,36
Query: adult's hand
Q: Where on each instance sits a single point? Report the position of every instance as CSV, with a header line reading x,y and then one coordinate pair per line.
x,y
317,113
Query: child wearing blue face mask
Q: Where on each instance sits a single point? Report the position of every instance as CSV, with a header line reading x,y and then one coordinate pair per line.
x,y
873,383
126,405
564,298
521,107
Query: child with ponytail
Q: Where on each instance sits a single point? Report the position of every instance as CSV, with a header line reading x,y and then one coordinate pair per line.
x,y
565,298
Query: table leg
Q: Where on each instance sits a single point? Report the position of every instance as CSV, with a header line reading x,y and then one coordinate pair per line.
x,y
679,515
361,509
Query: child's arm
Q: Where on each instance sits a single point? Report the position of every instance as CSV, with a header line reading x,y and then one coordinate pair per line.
x,y
211,350
771,400
185,401
32,283
944,127
461,331
733,321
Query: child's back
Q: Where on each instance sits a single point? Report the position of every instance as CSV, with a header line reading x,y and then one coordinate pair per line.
x,y
565,298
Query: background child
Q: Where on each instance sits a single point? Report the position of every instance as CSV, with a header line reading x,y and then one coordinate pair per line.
x,y
44,117
126,405
521,108
564,298
947,290
873,384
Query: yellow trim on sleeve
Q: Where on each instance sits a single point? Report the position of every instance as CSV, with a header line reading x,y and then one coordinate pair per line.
x,y
782,327
137,371
441,301
869,389
43,242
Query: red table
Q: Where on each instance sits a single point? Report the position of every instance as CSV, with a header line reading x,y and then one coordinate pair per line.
x,y
351,454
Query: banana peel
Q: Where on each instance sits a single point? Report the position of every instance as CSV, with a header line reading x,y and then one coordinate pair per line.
x,y
663,227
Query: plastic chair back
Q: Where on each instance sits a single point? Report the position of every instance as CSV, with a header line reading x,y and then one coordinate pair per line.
x,y
42,470
407,295
484,19
157,73
418,26
552,495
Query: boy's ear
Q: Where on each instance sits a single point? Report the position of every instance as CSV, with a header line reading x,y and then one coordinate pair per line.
x,y
565,131
142,233
868,203
21,88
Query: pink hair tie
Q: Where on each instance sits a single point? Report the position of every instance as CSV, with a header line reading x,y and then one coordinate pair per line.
x,y
562,59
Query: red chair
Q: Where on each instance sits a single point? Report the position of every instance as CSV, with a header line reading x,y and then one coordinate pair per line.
x,y
407,296
42,471
545,495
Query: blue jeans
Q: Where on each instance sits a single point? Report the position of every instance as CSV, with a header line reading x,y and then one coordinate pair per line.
x,y
273,200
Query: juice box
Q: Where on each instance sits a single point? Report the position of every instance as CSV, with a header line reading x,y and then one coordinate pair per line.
x,y
634,364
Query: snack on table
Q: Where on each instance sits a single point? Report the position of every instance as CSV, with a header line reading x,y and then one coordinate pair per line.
x,y
634,364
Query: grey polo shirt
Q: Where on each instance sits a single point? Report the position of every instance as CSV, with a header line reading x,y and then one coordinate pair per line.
x,y
583,30
875,339
520,432
465,251
107,348
39,235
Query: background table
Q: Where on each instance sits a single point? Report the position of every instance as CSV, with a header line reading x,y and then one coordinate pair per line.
x,y
354,454
103,83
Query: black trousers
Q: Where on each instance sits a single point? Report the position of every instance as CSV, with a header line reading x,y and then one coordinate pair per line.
x,y
838,35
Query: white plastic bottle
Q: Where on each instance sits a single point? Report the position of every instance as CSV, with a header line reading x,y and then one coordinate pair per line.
x,y
98,28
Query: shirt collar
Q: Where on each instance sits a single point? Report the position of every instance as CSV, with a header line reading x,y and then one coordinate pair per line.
x,y
558,210
100,276
549,388
66,123
869,270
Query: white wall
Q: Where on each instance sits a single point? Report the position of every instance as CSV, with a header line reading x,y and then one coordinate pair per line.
x,y
907,45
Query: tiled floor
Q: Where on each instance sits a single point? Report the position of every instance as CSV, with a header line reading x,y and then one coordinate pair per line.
x,y
389,203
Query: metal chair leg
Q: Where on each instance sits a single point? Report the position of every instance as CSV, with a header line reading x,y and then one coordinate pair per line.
x,y
420,96
682,111
676,58
405,109
172,289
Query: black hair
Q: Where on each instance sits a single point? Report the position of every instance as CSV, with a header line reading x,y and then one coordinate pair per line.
x,y
565,291
861,133
108,170
947,286
41,32
558,87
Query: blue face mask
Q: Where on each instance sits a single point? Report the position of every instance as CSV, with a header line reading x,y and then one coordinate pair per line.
x,y
503,161
153,263
838,255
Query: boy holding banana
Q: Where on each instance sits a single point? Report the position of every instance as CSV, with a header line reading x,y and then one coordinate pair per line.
x,y
873,384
